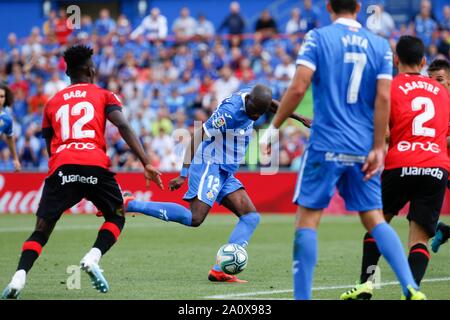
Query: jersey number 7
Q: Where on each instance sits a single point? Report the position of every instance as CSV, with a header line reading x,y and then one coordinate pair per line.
x,y
359,61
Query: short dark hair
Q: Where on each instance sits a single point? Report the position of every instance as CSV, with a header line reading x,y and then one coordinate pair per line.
x,y
343,6
76,58
410,50
9,96
439,64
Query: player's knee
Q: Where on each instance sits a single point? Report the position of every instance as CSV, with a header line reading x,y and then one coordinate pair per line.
x,y
197,220
119,221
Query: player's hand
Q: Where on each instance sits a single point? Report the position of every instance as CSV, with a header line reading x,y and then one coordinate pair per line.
x,y
151,174
265,141
176,183
373,163
17,166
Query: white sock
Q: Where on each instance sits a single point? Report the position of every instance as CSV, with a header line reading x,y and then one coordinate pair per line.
x,y
19,278
94,254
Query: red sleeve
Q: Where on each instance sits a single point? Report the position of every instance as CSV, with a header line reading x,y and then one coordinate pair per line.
x,y
112,99
46,122
112,102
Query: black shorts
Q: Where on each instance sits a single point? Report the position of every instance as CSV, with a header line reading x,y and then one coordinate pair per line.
x,y
424,188
69,184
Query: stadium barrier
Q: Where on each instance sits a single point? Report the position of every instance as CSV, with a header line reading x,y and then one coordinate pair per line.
x,y
20,193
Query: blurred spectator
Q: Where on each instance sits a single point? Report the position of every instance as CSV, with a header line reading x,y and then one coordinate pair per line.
x,y
153,26
423,23
266,25
86,27
105,25
443,43
33,44
296,23
226,84
37,101
380,22
234,22
28,149
184,26
311,14
205,28
54,85
49,26
123,26
62,28
12,42
445,23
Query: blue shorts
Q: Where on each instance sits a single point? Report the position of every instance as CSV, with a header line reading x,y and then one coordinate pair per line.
x,y
321,172
209,183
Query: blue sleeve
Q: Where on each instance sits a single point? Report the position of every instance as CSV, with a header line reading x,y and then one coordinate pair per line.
x,y
8,128
220,121
386,64
308,55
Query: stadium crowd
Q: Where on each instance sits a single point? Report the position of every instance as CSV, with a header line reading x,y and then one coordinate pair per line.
x,y
172,73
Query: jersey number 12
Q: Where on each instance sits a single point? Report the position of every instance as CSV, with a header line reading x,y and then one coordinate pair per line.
x,y
63,114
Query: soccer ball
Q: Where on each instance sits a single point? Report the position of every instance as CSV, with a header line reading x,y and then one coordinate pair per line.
x,y
232,258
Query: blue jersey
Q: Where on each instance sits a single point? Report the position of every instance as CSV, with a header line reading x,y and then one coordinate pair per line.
x,y
6,123
347,60
229,130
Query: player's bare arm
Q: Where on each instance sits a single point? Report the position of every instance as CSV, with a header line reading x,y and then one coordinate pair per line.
x,y
196,139
300,118
381,118
116,117
12,148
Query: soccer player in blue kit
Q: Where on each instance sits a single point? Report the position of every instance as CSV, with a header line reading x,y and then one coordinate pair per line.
x,y
351,72
211,173
6,123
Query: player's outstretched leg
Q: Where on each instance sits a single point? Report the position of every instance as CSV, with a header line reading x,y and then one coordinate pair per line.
x,y
441,236
31,250
391,248
166,211
107,236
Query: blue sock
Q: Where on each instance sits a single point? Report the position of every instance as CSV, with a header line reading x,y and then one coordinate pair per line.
x,y
243,230
305,258
166,211
391,248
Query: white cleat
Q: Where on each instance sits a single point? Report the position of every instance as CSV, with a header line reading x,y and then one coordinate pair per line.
x,y
16,285
92,268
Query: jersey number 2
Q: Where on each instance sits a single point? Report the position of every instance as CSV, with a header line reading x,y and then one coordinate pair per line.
x,y
359,60
417,126
63,114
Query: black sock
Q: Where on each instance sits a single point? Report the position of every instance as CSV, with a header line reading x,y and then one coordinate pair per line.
x,y
370,257
418,261
109,233
31,250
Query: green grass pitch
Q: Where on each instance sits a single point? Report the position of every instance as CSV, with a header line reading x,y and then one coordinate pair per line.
x,y
160,260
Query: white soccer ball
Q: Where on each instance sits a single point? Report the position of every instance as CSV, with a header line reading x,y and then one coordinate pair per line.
x,y
232,258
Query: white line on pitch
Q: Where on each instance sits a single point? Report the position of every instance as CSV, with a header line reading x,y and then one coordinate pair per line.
x,y
260,293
